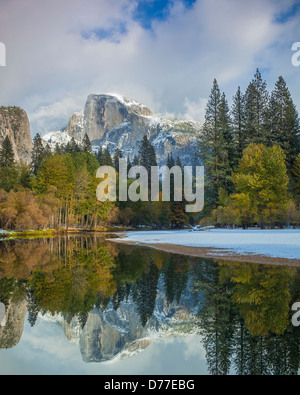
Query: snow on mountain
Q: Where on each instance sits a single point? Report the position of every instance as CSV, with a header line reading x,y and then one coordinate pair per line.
x,y
114,121
56,137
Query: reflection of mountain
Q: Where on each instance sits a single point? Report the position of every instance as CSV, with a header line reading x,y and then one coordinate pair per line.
x,y
120,333
11,333
114,301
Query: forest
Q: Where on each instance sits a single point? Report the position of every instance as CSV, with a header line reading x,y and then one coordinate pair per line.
x,y
250,152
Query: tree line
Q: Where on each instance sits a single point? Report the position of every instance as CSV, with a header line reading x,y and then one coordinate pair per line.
x,y
251,155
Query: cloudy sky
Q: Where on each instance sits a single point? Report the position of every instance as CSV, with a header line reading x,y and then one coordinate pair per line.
x,y
164,54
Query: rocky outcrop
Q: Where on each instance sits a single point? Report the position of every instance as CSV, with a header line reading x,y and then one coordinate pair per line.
x,y
14,123
11,332
116,122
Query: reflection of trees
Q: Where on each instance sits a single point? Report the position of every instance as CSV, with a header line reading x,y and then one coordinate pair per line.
x,y
263,296
74,287
144,293
175,274
217,317
244,318
243,309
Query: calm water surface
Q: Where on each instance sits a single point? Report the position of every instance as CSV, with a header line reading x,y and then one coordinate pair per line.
x,y
81,305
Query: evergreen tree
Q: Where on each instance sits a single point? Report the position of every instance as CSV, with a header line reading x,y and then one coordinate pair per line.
x,y
106,158
7,156
72,147
177,215
147,156
128,164
99,156
296,178
86,144
117,155
59,149
40,151
225,125
136,161
214,146
238,126
256,111
25,174
170,164
8,169
284,121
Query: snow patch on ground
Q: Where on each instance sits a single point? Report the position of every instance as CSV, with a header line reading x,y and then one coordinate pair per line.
x,y
273,243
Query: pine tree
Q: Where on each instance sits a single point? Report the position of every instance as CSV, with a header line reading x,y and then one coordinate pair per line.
x,y
136,161
8,169
7,156
106,158
178,216
256,111
128,164
225,125
72,147
117,155
214,146
86,144
238,126
147,156
99,156
296,179
284,122
40,151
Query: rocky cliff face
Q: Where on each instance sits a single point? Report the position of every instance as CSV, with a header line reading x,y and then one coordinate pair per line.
x,y
116,122
11,333
14,123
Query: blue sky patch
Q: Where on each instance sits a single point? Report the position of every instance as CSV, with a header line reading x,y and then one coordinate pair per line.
x,y
284,17
148,11
110,34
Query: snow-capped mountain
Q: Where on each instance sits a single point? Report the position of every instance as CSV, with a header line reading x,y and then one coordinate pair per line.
x,y
113,121
57,137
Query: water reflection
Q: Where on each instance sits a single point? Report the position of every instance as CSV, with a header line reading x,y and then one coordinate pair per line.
x,y
114,300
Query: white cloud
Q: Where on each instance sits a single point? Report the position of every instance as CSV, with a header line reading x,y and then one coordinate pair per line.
x,y
55,58
194,109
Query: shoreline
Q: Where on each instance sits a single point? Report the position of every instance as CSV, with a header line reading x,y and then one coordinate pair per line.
x,y
56,233
213,253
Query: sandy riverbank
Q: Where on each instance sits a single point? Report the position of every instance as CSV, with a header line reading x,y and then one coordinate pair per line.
x,y
212,253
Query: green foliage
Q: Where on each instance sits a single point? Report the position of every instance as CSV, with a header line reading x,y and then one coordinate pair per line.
x,y
40,151
215,146
259,141
7,156
261,182
284,122
296,174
